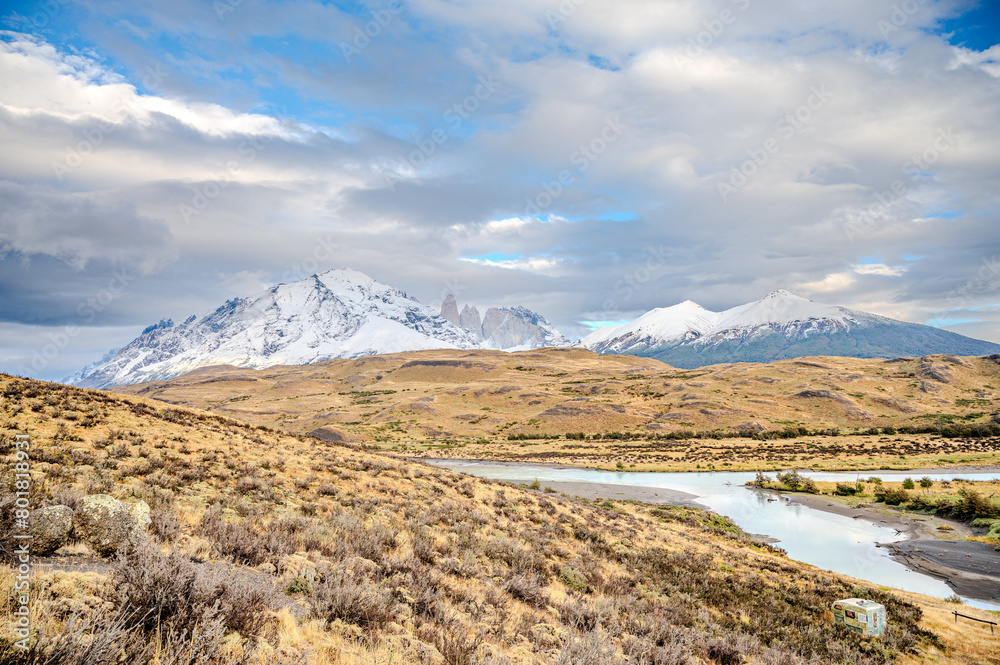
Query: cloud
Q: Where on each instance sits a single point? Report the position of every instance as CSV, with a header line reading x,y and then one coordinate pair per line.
x,y
829,284
78,228
214,154
879,269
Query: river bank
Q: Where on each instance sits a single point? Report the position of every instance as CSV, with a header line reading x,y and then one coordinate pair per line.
x,y
931,545
625,493
844,542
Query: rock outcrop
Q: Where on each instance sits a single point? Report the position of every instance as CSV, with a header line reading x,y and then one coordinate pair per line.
x,y
504,329
50,528
108,525
469,319
449,310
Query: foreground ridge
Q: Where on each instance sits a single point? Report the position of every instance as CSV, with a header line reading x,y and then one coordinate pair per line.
x,y
310,545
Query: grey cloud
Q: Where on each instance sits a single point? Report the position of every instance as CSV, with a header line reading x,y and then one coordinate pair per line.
x,y
78,228
316,201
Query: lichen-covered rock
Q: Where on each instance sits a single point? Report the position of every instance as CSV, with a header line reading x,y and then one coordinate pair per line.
x,y
49,528
140,516
108,525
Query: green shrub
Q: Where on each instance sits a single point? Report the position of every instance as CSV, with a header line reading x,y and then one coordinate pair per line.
x,y
849,489
973,505
908,484
792,480
891,497
983,521
573,578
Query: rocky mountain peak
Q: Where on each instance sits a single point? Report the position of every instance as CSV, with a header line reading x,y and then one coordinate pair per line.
x,y
449,310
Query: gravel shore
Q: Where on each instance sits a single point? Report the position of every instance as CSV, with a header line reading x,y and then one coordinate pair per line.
x,y
972,569
625,492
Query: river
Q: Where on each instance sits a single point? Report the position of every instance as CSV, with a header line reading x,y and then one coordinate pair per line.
x,y
829,541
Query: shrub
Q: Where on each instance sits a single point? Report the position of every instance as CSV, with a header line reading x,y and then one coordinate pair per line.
x,y
573,578
590,648
926,482
457,643
908,484
340,594
891,497
156,591
973,505
527,587
792,480
164,524
238,541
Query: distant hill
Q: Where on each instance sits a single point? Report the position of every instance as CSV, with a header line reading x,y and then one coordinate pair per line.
x,y
430,396
780,325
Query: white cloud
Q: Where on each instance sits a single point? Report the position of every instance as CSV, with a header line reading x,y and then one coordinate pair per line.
x,y
313,190
879,269
536,264
832,283
38,79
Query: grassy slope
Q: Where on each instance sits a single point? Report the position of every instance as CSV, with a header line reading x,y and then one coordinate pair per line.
x,y
366,558
443,400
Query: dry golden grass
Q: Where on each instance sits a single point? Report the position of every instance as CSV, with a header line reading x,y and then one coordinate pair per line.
x,y
469,403
969,641
366,558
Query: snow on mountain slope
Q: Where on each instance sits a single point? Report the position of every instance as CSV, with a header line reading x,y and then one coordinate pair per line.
x,y
338,314
780,308
780,325
781,311
654,327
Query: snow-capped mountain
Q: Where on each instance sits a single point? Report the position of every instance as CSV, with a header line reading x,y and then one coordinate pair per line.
x,y
336,314
687,320
780,325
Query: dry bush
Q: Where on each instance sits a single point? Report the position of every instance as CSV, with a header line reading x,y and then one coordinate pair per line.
x,y
528,588
354,537
239,542
164,610
592,648
164,524
457,643
172,592
340,593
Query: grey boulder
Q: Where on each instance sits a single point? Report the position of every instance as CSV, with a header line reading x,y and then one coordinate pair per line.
x,y
49,529
109,525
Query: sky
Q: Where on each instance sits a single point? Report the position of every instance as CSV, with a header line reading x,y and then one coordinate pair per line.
x,y
588,159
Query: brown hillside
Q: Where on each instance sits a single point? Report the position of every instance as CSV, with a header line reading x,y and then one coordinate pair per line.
x,y
271,548
430,400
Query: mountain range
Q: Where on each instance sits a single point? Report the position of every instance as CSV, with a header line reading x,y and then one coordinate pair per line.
x,y
780,325
347,314
335,314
